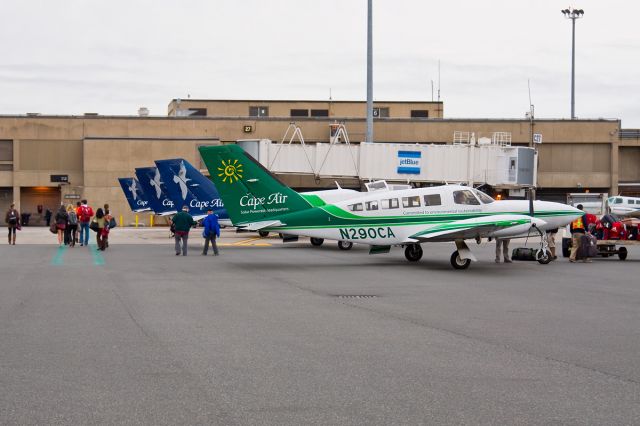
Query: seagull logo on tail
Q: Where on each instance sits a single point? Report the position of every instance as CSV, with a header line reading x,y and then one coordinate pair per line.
x,y
182,179
134,189
156,182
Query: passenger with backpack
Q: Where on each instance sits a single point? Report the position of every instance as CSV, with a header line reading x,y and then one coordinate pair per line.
x,y
12,219
72,228
84,217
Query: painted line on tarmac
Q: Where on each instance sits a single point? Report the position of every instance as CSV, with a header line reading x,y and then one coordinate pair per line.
x,y
248,242
57,259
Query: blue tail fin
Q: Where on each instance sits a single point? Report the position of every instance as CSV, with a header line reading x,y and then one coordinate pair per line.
x,y
187,186
152,185
136,198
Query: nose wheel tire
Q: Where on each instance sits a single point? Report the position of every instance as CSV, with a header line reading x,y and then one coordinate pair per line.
x,y
459,263
413,252
345,245
317,241
263,234
543,256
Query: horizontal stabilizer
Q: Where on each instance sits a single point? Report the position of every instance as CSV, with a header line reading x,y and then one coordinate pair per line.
x,y
256,226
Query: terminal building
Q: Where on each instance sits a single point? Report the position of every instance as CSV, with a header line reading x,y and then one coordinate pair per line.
x,y
46,160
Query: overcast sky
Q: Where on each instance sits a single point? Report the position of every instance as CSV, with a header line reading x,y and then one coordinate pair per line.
x,y
111,57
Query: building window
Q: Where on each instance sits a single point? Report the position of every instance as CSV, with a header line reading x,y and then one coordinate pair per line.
x,y
197,112
419,113
6,150
299,113
381,112
258,111
319,112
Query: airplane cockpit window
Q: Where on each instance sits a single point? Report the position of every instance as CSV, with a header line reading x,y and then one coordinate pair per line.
x,y
408,202
355,207
390,203
483,197
371,205
432,200
617,201
465,197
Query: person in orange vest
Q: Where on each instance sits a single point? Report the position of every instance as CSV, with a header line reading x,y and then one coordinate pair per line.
x,y
578,228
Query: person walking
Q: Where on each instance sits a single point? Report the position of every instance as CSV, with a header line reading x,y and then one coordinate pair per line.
x,y
578,228
210,232
182,222
61,219
12,219
85,215
107,227
504,243
551,241
100,220
72,227
76,237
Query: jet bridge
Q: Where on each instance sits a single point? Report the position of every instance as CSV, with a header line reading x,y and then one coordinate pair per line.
x,y
492,162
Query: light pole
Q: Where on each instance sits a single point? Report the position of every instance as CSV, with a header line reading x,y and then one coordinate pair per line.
x,y
573,14
369,134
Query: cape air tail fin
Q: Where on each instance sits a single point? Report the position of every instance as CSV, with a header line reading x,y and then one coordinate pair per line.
x,y
152,185
136,198
249,191
187,185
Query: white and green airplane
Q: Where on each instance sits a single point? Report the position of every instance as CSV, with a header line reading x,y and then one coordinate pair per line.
x,y
257,200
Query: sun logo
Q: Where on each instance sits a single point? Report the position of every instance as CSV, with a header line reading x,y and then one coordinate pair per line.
x,y
230,171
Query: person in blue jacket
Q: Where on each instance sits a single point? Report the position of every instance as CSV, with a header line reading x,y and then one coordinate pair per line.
x,y
210,232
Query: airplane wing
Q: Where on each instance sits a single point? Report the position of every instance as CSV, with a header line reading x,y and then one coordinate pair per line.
x,y
255,226
506,225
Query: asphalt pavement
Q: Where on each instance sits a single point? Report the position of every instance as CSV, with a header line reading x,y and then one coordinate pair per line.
x,y
273,334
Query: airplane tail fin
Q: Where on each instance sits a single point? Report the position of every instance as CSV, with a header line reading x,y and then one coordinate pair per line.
x,y
184,182
249,191
135,197
152,185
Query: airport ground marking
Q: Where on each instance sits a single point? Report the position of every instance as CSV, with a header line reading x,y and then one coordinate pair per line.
x,y
57,259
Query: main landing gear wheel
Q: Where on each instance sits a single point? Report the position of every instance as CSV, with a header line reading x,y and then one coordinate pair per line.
x,y
543,256
345,245
413,252
316,241
459,263
263,234
622,253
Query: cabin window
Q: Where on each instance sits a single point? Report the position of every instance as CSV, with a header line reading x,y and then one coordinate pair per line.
x,y
631,201
408,202
371,205
432,200
390,203
355,207
465,197
483,197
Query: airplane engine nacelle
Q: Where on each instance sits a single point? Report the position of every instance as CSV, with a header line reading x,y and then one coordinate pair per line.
x,y
519,230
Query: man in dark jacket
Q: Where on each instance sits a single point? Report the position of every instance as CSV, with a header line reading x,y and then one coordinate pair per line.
x,y
182,223
210,232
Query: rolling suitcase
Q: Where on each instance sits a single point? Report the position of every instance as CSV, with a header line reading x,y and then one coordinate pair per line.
x,y
588,246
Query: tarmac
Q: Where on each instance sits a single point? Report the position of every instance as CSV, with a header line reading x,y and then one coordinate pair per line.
x,y
289,334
